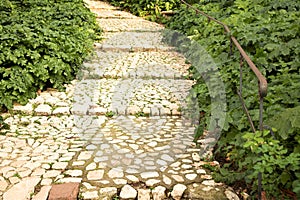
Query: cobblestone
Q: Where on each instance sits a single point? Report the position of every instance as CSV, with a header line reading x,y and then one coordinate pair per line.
x,y
128,192
121,128
144,65
159,193
135,42
118,25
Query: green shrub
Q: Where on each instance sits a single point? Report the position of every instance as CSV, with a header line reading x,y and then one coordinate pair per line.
x,y
147,8
42,44
269,32
259,28
278,165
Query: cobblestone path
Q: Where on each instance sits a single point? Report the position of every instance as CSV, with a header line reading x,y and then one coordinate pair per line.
x,y
119,129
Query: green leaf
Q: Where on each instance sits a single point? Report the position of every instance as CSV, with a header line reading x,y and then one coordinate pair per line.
x,y
43,43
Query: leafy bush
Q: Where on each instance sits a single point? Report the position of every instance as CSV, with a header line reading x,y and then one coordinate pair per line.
x,y
269,32
277,165
149,8
42,44
253,31
267,153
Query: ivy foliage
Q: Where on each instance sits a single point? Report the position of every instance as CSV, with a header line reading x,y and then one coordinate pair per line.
x,y
150,9
146,8
277,164
269,32
42,44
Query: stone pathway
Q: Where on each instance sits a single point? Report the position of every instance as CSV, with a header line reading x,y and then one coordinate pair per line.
x,y
122,129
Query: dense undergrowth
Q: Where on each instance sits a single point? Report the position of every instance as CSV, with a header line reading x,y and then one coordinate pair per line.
x,y
42,44
269,32
149,9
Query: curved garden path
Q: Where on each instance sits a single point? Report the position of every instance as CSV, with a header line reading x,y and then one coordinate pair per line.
x,y
119,130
